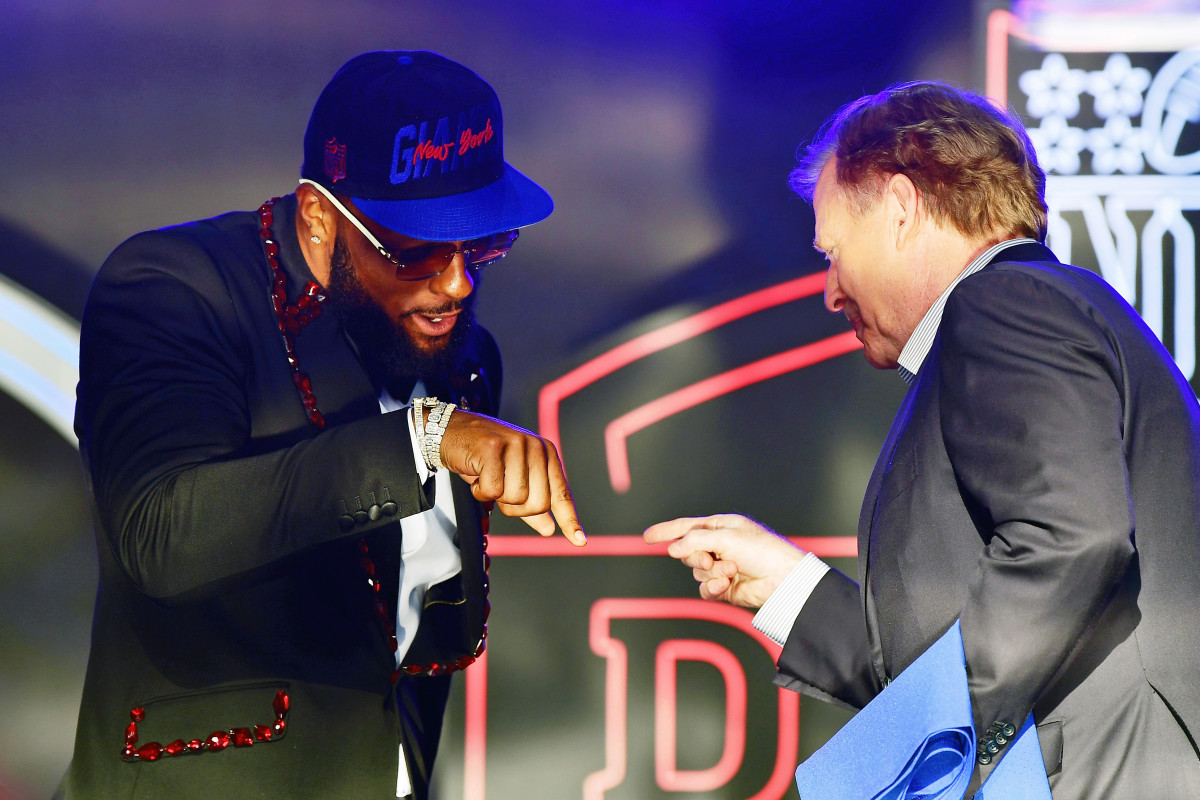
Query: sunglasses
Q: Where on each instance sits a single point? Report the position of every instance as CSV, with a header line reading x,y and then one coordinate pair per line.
x,y
429,260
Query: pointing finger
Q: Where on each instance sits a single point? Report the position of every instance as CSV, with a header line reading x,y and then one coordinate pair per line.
x,y
562,504
672,529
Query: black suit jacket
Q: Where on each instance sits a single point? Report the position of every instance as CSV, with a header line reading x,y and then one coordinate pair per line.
x,y
230,564
1041,482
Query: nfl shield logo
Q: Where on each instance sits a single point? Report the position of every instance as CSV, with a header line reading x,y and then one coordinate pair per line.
x,y
335,160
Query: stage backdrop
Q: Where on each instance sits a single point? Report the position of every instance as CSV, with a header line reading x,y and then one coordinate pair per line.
x,y
665,326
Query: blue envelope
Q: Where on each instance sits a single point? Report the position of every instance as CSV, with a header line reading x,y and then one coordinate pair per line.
x,y
916,741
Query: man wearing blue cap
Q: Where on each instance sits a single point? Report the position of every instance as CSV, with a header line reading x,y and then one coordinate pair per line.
x,y
270,407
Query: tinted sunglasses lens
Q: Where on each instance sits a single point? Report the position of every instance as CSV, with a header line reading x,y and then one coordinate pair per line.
x,y
424,262
418,263
490,249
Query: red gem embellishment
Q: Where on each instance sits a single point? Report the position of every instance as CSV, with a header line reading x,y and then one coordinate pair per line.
x,y
150,752
291,318
388,622
217,740
214,742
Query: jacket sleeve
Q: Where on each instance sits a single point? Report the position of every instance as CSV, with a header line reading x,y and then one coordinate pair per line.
x,y
827,654
1032,419
186,500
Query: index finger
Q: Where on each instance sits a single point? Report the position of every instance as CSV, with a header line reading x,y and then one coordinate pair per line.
x,y
673,529
562,504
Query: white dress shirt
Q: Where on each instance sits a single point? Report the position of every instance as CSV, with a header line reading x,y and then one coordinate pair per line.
x,y
428,553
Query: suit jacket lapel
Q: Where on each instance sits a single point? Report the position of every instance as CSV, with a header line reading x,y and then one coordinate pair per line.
x,y
866,520
322,348
867,515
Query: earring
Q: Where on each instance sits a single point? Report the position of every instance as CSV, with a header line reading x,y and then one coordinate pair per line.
x,y
315,239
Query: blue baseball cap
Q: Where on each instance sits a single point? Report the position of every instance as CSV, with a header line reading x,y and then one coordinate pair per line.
x,y
417,142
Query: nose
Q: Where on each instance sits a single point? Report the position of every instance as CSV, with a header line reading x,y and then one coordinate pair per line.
x,y
456,281
835,298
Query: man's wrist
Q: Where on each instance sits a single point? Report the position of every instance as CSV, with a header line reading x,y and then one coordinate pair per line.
x,y
779,612
429,428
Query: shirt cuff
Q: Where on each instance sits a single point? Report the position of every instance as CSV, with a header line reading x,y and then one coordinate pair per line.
x,y
778,614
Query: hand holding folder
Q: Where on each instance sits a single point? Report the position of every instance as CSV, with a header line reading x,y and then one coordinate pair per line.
x,y
916,741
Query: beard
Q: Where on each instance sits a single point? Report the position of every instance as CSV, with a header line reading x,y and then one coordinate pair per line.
x,y
392,358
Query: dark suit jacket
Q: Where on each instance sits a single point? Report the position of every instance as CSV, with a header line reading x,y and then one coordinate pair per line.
x,y
229,555
1041,482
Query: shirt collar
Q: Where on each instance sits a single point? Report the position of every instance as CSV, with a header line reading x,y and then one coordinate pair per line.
x,y
917,347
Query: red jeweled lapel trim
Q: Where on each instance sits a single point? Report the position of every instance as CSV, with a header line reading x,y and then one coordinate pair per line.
x,y
291,318
388,622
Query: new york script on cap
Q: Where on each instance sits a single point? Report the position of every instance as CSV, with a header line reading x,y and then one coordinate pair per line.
x,y
415,151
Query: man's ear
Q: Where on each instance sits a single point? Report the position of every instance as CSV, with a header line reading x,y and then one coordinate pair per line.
x,y
905,209
316,229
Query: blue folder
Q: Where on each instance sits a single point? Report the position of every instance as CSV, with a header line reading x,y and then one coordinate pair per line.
x,y
916,741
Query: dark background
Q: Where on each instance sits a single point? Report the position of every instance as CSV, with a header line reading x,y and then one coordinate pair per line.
x,y
665,132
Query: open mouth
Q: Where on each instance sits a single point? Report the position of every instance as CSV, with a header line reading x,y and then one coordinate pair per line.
x,y
436,324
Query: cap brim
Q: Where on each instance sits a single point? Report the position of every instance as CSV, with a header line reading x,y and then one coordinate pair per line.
x,y
513,201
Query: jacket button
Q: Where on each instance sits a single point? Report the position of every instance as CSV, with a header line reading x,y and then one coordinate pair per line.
x,y
373,512
361,516
345,522
389,508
